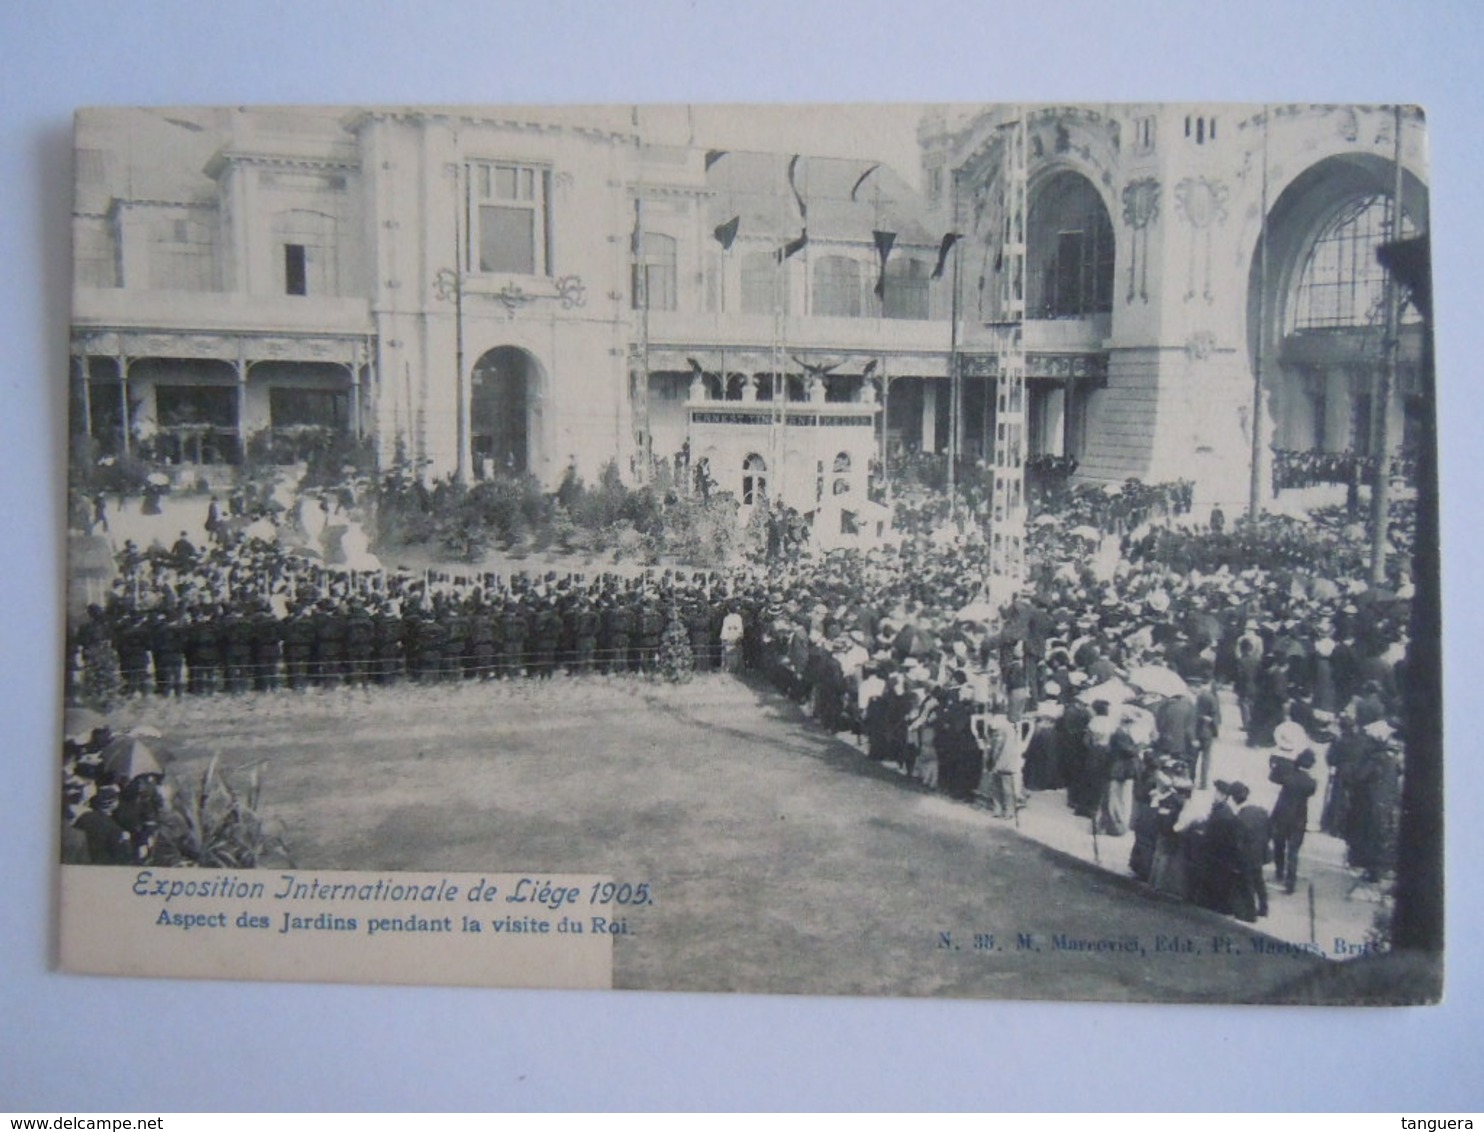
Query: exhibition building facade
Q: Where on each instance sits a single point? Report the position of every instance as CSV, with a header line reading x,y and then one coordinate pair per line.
x,y
531,289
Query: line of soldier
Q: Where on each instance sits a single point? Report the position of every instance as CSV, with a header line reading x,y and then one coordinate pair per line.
x,y
383,628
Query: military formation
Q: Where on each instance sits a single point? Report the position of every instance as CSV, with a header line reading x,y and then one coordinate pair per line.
x,y
234,618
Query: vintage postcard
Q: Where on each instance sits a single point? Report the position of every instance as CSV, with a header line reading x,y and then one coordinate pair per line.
x,y
983,551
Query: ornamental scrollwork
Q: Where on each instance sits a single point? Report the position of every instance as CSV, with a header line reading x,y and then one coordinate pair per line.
x,y
571,291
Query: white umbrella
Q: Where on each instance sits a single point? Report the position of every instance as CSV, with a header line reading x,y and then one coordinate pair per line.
x,y
1115,691
1092,534
1045,521
1158,679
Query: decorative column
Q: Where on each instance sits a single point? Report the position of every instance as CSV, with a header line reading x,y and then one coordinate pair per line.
x,y
86,394
124,437
240,367
929,417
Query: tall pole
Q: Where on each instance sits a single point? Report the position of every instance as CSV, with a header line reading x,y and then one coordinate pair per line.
x,y
1254,484
641,295
1386,379
460,384
955,383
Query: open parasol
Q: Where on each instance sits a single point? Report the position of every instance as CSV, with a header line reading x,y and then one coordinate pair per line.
x,y
130,756
1158,679
1115,691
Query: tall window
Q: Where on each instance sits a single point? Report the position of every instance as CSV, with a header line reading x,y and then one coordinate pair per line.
x,y
760,274
309,252
508,223
295,273
1071,250
906,291
1342,283
657,259
837,287
754,480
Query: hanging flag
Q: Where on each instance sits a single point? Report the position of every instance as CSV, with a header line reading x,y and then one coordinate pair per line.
x,y
726,233
861,180
792,247
949,239
793,164
713,156
884,241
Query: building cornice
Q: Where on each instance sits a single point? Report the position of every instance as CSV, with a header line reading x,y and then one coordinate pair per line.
x,y
224,159
484,121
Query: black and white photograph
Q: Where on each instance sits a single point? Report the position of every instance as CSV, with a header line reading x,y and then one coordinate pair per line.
x,y
966,551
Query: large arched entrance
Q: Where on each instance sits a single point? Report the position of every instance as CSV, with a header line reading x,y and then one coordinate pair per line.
x,y
1069,279
504,412
1069,249
1317,312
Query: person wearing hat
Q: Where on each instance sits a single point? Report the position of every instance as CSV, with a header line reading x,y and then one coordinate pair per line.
x,y
1291,812
1374,781
108,842
1256,827
1220,878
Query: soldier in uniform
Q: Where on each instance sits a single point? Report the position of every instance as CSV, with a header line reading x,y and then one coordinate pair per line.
x,y
546,632
329,643
166,645
432,635
480,661
266,647
516,624
204,652
455,638
387,633
695,611
298,646
237,645
616,625
360,642
651,617
132,640
584,629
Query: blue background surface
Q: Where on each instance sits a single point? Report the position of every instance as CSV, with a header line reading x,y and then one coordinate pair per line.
x,y
82,1044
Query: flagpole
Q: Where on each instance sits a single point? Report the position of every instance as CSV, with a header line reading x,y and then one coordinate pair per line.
x,y
458,332
1254,485
1386,379
954,384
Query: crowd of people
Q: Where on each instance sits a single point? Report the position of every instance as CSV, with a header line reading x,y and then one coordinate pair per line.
x,y
1103,677
115,800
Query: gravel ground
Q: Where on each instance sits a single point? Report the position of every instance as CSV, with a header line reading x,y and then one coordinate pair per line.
x,y
781,861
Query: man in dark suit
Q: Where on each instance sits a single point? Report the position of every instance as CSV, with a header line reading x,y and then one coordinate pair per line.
x,y
1290,813
1178,737
1256,833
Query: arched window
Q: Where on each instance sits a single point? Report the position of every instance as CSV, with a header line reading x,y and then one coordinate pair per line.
x,y
905,294
657,258
842,462
754,480
837,287
1071,250
760,274
1342,283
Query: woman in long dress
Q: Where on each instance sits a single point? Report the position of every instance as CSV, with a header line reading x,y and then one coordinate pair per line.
x,y
1123,769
